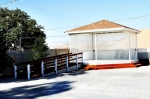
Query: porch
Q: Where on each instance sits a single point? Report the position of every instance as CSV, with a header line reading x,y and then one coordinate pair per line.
x,y
104,40
109,64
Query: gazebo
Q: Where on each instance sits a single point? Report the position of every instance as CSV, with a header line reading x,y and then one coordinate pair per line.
x,y
104,40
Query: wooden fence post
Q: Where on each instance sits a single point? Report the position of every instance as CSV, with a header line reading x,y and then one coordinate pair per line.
x,y
28,71
67,64
56,66
15,71
77,62
42,68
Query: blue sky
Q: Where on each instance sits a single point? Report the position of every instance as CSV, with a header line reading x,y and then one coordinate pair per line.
x,y
56,14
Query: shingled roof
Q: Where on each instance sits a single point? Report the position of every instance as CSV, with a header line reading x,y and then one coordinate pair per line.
x,y
103,24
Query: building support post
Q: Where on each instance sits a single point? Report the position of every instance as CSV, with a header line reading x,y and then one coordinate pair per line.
x,y
70,44
136,53
95,47
129,48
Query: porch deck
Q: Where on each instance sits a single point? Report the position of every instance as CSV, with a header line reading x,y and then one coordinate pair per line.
x,y
109,64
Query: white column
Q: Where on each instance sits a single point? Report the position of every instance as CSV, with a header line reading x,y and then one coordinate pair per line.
x,y
70,43
136,53
15,71
42,68
28,69
77,66
56,66
113,48
129,48
95,47
67,64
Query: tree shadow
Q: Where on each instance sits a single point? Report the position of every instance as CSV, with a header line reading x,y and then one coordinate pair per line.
x,y
34,91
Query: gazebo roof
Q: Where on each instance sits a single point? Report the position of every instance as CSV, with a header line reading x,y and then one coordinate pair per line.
x,y
103,25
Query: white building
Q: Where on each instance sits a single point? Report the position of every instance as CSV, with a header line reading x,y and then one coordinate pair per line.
x,y
104,40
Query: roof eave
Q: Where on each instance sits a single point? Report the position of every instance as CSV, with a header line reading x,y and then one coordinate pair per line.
x,y
132,30
104,30
97,30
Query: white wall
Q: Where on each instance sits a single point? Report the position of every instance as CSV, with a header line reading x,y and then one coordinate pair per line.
x,y
82,43
88,55
112,41
109,45
112,46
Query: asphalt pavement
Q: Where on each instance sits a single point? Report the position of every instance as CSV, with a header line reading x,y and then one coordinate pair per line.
x,y
129,83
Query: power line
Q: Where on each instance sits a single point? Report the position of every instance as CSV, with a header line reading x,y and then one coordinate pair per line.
x,y
64,16
57,36
144,27
39,10
132,18
64,27
113,20
14,1
61,15
52,12
66,35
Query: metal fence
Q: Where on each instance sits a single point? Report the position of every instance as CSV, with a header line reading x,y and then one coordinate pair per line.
x,y
144,53
26,55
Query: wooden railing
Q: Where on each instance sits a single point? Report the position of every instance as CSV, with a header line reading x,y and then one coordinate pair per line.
x,y
49,64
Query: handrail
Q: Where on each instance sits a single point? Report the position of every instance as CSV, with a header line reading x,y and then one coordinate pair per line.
x,y
54,62
39,60
75,54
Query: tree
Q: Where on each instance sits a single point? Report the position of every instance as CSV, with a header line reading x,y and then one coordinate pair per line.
x,y
17,26
4,58
39,51
14,26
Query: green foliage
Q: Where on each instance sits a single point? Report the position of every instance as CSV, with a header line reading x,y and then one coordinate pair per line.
x,y
5,60
16,24
39,48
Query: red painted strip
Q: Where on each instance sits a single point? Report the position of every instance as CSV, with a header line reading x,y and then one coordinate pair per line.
x,y
109,66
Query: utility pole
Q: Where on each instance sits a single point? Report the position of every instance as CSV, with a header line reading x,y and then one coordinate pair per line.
x,y
24,38
20,42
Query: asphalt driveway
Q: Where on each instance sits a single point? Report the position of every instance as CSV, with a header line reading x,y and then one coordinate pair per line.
x,y
131,83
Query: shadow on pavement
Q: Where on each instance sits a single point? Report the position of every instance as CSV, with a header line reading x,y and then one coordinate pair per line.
x,y
34,91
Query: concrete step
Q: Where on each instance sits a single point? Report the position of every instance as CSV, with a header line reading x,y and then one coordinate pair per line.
x,y
109,66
